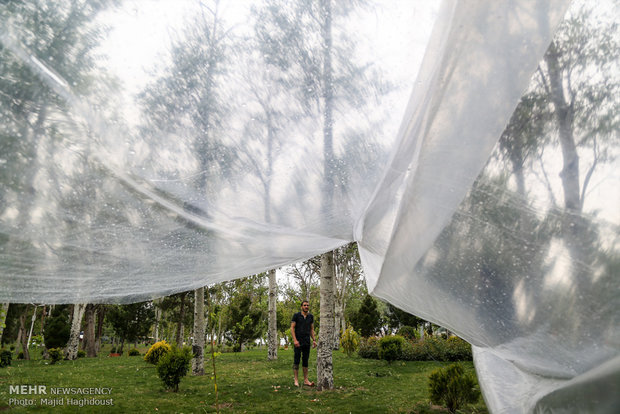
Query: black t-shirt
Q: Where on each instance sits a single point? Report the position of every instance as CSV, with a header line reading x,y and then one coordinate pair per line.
x,y
302,327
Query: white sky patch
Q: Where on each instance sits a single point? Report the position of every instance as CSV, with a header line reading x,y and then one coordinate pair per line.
x,y
394,36
139,38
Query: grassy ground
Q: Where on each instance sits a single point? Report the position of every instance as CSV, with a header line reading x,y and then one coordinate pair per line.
x,y
247,383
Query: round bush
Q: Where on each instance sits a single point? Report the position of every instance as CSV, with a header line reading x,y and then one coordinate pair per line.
x,y
173,366
391,347
156,351
81,354
133,352
55,355
6,357
458,350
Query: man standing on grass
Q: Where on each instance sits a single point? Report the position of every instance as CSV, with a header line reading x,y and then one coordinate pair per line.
x,y
302,329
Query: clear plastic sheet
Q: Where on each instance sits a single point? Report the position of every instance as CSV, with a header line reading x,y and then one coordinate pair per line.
x,y
147,150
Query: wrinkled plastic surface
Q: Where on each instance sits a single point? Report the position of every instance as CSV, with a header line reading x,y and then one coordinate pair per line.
x,y
166,163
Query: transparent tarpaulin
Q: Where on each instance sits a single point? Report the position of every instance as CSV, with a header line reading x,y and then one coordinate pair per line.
x,y
149,149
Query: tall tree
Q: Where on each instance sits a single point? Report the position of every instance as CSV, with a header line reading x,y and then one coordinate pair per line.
x,y
187,97
90,341
305,275
272,332
367,320
244,321
131,322
76,327
198,361
23,333
397,318
101,312
57,327
572,108
62,34
348,272
297,41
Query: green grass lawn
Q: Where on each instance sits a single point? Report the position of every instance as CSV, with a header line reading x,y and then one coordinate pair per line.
x,y
247,382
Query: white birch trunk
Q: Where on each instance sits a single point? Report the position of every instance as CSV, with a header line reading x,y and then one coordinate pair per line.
x,y
272,333
34,318
198,346
157,318
74,338
324,365
338,317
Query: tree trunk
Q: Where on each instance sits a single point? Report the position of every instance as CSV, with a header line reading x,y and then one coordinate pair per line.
x,y
4,308
325,369
43,316
74,337
219,328
272,333
101,310
34,318
157,319
564,115
338,319
23,337
198,346
89,334
180,324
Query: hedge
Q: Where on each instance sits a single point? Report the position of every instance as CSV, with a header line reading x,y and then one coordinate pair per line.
x,y
428,349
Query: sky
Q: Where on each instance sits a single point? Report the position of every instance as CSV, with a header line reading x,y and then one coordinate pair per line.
x,y
394,35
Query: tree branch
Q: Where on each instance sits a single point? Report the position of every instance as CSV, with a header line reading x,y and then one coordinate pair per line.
x,y
586,181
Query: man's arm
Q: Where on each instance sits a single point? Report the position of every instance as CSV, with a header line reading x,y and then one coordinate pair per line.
x,y
312,335
295,341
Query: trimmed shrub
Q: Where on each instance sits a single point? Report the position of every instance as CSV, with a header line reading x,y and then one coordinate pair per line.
x,y
430,349
6,357
413,351
113,350
55,355
369,348
452,387
349,341
81,354
458,350
133,352
20,355
433,349
156,351
407,351
391,347
408,332
174,365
